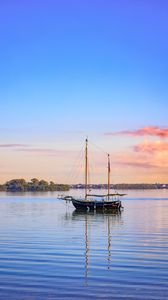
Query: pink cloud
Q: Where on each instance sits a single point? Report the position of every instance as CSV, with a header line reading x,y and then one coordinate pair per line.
x,y
45,151
144,155
48,151
133,160
147,130
132,163
13,145
39,150
151,147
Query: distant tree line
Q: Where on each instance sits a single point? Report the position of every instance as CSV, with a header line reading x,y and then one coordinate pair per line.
x,y
136,186
123,186
42,185
21,185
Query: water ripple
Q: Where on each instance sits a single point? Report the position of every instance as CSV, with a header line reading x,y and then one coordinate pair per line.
x,y
49,251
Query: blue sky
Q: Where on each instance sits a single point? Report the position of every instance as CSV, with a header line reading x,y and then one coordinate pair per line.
x,y
84,67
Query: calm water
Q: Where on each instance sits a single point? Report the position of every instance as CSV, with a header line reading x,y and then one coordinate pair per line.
x,y
48,251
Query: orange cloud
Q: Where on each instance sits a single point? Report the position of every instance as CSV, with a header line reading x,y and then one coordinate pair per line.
x,y
147,130
151,147
134,160
132,163
145,155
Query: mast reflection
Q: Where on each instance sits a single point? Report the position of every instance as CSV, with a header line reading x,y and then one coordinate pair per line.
x,y
111,220
86,249
109,242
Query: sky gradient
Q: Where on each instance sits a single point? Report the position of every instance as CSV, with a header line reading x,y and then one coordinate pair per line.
x,y
71,69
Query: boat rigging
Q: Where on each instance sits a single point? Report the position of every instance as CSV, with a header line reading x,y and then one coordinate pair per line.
x,y
109,201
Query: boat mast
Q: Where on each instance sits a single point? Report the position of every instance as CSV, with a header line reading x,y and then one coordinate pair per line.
x,y
86,168
108,176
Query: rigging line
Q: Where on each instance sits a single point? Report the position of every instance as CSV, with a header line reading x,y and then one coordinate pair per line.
x,y
89,178
97,161
71,170
98,147
91,167
78,173
88,167
75,174
78,168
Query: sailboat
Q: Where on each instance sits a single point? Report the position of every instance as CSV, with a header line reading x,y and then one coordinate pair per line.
x,y
109,201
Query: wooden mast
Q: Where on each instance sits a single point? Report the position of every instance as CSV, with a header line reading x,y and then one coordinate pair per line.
x,y
86,168
108,176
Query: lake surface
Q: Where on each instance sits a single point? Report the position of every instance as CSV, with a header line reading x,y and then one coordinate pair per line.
x,y
49,251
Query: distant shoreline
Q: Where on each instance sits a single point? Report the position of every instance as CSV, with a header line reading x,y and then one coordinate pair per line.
x,y
36,185
124,186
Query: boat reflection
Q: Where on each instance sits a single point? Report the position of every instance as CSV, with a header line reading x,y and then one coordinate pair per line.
x,y
90,219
